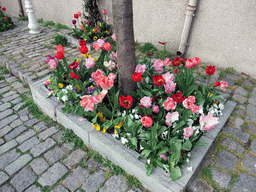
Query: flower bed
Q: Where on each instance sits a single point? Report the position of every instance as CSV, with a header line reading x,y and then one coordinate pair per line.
x,y
5,21
162,120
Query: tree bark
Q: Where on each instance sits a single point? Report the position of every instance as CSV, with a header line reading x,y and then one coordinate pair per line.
x,y
123,27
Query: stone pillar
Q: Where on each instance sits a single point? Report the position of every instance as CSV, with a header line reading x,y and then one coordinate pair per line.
x,y
32,20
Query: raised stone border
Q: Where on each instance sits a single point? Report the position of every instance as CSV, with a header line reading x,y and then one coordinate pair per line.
x,y
108,146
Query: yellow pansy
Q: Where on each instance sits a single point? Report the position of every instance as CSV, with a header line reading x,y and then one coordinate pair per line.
x,y
91,86
95,38
216,102
85,55
78,88
97,127
93,30
100,115
89,56
100,24
60,85
95,59
49,80
119,125
209,94
107,32
84,30
104,130
77,60
115,131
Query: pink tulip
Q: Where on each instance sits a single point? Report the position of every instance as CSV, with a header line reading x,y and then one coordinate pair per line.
x,y
171,117
113,37
140,68
163,156
107,47
188,132
189,63
170,104
155,108
81,27
146,101
169,86
89,63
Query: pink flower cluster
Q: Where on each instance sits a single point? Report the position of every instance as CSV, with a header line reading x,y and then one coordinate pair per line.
x,y
191,63
89,101
169,84
189,103
102,45
208,122
103,81
159,64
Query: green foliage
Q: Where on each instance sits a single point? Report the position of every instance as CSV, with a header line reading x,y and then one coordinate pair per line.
x,y
148,47
163,54
2,77
40,20
5,70
25,18
60,40
132,181
91,11
5,22
229,70
207,172
48,23
70,137
61,26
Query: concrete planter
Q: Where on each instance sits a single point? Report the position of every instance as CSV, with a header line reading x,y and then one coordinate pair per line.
x,y
107,146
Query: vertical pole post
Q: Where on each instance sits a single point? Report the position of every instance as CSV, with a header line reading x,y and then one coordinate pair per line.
x,y
32,20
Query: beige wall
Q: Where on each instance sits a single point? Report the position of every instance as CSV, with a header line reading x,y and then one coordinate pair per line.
x,y
223,32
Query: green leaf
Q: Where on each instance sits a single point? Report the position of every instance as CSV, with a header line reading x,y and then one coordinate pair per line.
x,y
147,93
144,135
145,153
145,145
106,112
175,173
134,141
200,143
107,124
149,168
187,145
178,126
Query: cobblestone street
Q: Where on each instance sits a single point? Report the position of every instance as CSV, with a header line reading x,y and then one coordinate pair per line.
x,y
34,157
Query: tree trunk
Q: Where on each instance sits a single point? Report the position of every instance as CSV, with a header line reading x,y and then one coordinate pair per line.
x,y
123,26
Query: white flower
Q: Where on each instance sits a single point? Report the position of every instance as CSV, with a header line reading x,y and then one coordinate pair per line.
x,y
64,98
166,167
187,160
189,168
69,87
136,116
148,161
164,134
128,134
115,135
141,148
131,116
201,111
189,154
65,91
147,79
221,106
190,122
124,113
124,140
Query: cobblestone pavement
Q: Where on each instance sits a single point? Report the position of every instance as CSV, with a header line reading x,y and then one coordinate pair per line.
x,y
34,158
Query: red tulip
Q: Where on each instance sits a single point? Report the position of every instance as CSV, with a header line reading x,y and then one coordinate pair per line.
x,y
158,80
3,8
76,16
125,102
136,76
59,55
210,70
216,84
60,49
83,49
6,18
162,43
82,42
72,75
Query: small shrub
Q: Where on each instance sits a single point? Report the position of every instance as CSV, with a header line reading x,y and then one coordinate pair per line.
x,y
229,70
61,26
60,40
25,18
48,23
5,21
40,20
148,47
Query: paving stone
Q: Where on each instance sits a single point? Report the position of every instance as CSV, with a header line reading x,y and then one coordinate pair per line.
x,y
15,132
240,112
250,113
11,79
17,164
16,123
240,135
55,154
3,84
251,127
252,100
247,83
23,179
17,85
8,158
16,101
58,136
7,120
1,141
44,72
10,98
26,135
3,177
59,188
74,158
17,107
42,147
92,164
244,183
40,126
221,178
241,91
31,122
47,133
232,145
198,185
52,175
253,146
31,116
76,178
239,98
7,188
94,181
5,106
115,183
8,145
39,165
33,188
231,82
22,90
67,145
3,90
238,122
23,112
29,144
5,130
5,113
226,160
249,163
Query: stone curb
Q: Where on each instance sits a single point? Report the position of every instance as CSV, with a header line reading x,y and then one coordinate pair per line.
x,y
106,145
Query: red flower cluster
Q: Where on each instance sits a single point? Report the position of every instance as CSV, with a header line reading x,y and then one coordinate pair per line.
x,y
210,70
136,76
158,80
60,52
177,61
74,76
125,102
4,9
73,65
178,97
